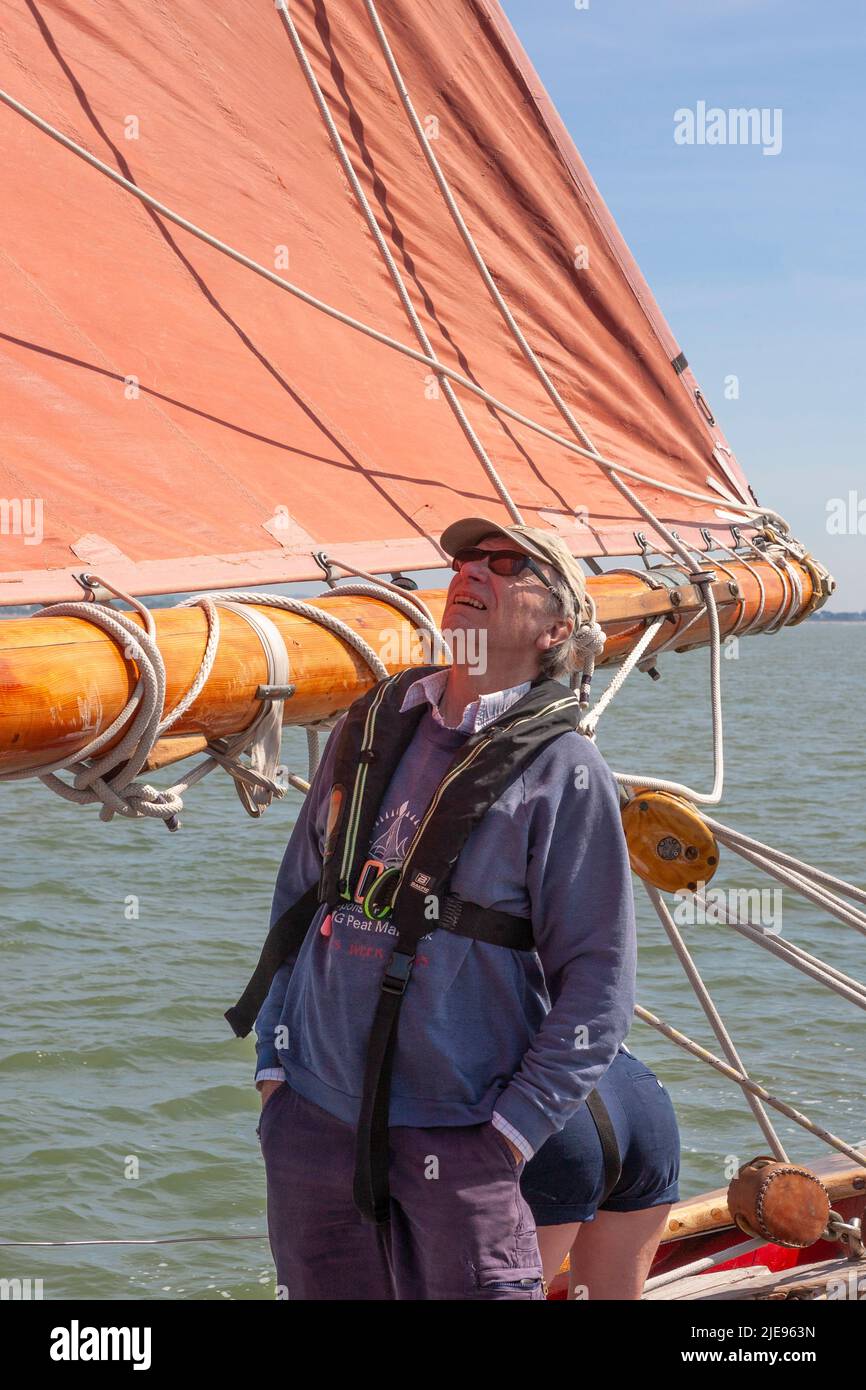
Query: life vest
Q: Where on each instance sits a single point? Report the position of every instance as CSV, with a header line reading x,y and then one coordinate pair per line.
x,y
373,740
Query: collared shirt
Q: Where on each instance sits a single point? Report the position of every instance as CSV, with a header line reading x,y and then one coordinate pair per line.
x,y
480,712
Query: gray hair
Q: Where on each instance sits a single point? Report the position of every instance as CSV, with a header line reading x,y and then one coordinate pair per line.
x,y
558,662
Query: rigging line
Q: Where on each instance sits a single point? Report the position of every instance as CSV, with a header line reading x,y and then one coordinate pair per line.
x,y
460,223
132,1240
493,289
688,1045
799,883
852,917
849,890
693,565
385,252
715,1019
439,368
800,960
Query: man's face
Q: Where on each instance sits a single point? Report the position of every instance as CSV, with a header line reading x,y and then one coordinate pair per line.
x,y
515,608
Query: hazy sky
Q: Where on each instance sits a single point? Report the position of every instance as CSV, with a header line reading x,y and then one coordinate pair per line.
x,y
757,260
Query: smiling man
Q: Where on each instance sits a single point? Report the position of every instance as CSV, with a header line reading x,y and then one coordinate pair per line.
x,y
457,890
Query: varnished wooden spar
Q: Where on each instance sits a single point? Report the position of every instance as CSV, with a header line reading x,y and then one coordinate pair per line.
x,y
842,1177
63,681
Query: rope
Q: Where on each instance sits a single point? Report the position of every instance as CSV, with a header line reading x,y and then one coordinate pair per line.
x,y
255,783
385,252
589,723
802,879
155,1240
793,955
715,1019
688,1045
721,1257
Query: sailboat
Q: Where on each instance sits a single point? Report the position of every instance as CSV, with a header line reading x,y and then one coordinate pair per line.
x,y
288,288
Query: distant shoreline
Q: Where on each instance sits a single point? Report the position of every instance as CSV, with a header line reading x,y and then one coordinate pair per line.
x,y
838,618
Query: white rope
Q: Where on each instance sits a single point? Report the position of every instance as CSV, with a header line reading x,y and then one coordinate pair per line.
x,y
721,1257
589,722
736,838
688,1045
385,252
255,783
803,879
714,1017
818,970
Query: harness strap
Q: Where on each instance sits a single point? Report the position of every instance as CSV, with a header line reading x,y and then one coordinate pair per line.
x,y
288,932
609,1146
371,1189
285,936
496,928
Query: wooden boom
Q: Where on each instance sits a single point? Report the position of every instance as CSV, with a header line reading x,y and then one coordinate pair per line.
x,y
63,680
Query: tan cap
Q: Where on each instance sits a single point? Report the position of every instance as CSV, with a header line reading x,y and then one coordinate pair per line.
x,y
541,545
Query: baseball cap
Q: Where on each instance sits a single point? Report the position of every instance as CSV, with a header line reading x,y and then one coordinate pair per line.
x,y
541,545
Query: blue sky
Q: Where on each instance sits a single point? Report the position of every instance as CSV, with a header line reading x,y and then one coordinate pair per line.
x,y
757,261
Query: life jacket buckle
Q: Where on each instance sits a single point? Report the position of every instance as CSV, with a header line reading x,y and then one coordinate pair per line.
x,y
397,973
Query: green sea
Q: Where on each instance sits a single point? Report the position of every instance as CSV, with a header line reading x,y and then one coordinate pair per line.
x,y
128,1110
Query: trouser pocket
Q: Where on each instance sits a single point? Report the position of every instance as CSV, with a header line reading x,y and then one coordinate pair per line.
x,y
266,1108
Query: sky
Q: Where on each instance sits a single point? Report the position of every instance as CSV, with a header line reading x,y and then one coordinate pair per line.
x,y
756,260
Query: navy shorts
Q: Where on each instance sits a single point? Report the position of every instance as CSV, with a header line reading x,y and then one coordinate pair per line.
x,y
564,1181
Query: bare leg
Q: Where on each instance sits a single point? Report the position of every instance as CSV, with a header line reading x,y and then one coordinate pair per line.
x,y
554,1243
611,1257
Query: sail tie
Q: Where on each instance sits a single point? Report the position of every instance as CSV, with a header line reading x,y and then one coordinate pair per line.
x,y
110,779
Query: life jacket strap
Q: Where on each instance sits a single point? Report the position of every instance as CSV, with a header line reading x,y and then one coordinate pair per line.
x,y
371,1189
481,924
285,936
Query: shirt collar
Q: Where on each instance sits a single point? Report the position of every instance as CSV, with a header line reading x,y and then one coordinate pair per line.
x,y
476,715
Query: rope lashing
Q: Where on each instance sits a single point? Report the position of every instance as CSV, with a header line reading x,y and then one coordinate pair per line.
x,y
109,779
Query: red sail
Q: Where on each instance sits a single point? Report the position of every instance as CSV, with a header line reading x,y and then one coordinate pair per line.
x,y
178,422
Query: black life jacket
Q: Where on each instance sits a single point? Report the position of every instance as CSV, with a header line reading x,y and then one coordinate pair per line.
x,y
372,742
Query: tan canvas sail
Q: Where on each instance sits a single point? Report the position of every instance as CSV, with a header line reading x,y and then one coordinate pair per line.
x,y
182,423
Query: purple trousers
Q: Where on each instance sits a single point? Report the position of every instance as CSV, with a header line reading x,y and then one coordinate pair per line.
x,y
459,1226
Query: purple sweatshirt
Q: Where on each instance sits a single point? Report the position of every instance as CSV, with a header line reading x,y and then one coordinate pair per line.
x,y
485,1032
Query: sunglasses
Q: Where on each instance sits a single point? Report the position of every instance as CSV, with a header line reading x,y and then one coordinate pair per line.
x,y
503,562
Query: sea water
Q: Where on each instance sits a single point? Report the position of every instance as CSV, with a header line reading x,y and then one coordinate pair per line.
x,y
128,1109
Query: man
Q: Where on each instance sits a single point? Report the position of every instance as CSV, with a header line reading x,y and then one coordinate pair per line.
x,y
484,903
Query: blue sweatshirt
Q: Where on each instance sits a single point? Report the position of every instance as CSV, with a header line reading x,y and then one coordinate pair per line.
x,y
483,1029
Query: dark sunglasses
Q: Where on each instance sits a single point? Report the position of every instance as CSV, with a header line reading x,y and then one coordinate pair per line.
x,y
503,562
